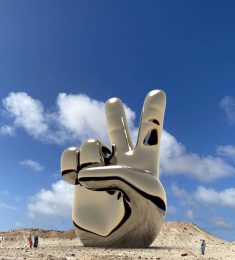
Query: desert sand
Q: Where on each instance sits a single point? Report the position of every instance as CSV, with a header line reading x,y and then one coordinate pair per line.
x,y
177,240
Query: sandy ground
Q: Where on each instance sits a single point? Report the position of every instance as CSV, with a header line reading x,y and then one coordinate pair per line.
x,y
177,240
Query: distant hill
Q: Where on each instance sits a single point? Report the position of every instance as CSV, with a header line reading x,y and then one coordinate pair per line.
x,y
42,233
180,231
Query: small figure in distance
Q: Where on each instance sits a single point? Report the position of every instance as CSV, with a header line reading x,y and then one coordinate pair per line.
x,y
203,247
35,244
30,241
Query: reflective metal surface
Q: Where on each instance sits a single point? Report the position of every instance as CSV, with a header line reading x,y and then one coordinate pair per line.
x,y
119,200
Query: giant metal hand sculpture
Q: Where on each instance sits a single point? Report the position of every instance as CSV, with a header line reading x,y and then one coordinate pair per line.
x,y
119,200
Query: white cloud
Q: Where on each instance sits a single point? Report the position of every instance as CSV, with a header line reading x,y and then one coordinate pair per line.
x,y
212,197
7,206
36,166
78,117
81,116
84,117
55,202
26,112
7,130
175,160
228,105
209,196
227,150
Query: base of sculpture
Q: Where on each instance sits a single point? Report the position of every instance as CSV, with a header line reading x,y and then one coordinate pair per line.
x,y
139,231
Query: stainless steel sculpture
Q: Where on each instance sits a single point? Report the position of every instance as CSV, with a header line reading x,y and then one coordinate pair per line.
x,y
119,200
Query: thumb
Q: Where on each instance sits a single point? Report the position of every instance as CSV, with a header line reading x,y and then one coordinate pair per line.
x,y
126,180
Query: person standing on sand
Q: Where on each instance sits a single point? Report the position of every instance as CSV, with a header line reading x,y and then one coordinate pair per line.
x,y
30,241
203,247
35,244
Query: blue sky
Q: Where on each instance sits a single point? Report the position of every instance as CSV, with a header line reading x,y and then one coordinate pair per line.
x,y
61,60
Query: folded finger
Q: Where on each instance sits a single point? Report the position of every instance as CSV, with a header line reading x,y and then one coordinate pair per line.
x,y
93,152
69,164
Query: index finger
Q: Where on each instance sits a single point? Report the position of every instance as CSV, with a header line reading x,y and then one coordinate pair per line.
x,y
117,125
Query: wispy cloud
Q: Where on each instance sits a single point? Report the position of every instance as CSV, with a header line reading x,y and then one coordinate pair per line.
x,y
184,198
176,160
220,223
7,206
227,150
210,196
56,202
4,193
171,210
19,224
193,201
228,105
189,215
78,117
35,166
7,130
